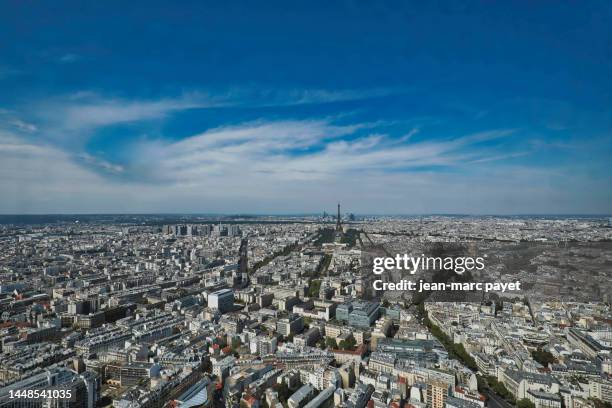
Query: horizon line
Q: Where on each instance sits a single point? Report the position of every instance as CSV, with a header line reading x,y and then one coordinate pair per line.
x,y
297,214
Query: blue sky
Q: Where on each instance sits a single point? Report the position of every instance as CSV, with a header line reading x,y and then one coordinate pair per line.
x,y
276,107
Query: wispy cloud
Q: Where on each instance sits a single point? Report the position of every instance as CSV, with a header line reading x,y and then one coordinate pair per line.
x,y
500,157
275,97
85,111
8,119
298,150
99,164
410,134
260,162
249,168
88,111
24,126
68,58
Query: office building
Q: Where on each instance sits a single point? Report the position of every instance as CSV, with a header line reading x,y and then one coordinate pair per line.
x,y
221,300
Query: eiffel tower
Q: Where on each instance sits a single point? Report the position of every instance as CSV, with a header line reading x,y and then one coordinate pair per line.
x,y
339,232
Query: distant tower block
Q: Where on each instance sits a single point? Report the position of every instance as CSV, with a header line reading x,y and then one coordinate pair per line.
x,y
338,223
243,262
241,277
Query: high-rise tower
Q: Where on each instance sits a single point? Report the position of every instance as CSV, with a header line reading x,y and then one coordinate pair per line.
x,y
338,224
241,276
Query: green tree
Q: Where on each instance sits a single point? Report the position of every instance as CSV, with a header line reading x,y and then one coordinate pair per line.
x,y
525,403
348,344
315,286
543,357
326,235
331,343
500,389
456,351
323,264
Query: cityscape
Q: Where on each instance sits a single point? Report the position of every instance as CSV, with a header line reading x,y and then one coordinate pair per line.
x,y
185,311
305,204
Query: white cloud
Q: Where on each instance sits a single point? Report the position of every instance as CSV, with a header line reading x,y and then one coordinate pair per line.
x,y
209,174
85,111
282,166
298,150
10,120
315,96
74,115
23,126
100,164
